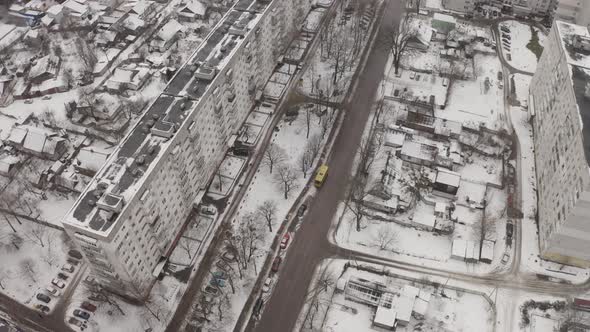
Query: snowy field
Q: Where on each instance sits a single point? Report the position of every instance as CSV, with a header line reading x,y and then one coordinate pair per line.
x,y
32,254
476,102
521,57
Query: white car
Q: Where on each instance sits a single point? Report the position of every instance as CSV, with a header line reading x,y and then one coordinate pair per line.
x,y
505,259
53,291
267,285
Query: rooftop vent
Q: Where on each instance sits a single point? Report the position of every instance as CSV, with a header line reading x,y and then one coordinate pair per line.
x,y
581,43
111,202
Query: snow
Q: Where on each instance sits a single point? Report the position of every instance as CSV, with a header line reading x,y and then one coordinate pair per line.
x,y
45,259
313,20
530,256
459,309
521,57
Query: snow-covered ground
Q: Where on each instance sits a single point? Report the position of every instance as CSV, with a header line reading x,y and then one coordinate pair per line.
x,y
530,257
449,308
32,254
515,49
265,187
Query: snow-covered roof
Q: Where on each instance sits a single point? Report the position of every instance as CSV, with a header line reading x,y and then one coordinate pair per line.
x,y
403,306
194,7
47,21
444,18
447,177
169,30
91,159
17,135
568,32
487,249
141,6
47,64
55,10
34,139
75,7
394,138
440,207
418,150
459,248
423,218
7,161
385,317
133,22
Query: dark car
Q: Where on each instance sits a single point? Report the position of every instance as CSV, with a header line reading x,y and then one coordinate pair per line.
x,y
77,323
509,229
258,306
43,298
75,253
301,210
276,263
62,276
81,314
41,307
88,306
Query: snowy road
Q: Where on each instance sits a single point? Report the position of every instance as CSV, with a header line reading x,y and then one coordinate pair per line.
x,y
310,245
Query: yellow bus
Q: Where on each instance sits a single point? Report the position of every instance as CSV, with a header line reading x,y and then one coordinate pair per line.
x,y
321,175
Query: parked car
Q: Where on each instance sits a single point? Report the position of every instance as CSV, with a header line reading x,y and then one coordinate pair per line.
x,y
445,82
211,290
500,76
41,307
218,283
43,298
208,210
258,306
51,290
219,275
505,258
75,253
90,280
73,262
28,101
267,285
228,256
412,75
223,265
88,306
68,268
81,314
46,97
285,241
509,229
301,210
276,263
58,283
501,85
62,276
77,322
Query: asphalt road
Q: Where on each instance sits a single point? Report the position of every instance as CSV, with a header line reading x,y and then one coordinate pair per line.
x,y
310,245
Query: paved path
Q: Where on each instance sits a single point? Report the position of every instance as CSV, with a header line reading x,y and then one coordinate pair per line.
x,y
310,245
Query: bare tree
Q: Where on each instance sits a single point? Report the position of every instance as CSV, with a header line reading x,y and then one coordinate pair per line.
x,y
306,160
385,237
314,144
417,183
268,211
400,36
314,301
368,150
86,53
156,306
37,234
274,155
223,306
285,179
28,268
49,256
186,245
246,242
100,294
355,199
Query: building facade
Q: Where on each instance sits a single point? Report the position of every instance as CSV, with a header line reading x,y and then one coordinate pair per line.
x,y
574,11
560,108
519,7
129,218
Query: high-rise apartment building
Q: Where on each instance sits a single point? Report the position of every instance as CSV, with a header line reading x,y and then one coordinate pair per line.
x,y
560,107
519,7
574,11
129,216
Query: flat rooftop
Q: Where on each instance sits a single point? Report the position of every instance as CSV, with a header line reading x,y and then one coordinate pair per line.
x,y
121,178
579,61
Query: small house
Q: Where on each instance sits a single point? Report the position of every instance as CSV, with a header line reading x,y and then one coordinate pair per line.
x,y
166,36
447,182
143,9
8,165
76,9
124,78
418,153
487,252
44,69
193,11
37,142
90,160
443,23
55,12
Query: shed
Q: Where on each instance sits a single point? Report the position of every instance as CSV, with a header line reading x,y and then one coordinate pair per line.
x,y
458,250
403,306
487,252
8,164
447,182
424,220
90,160
440,209
385,318
443,23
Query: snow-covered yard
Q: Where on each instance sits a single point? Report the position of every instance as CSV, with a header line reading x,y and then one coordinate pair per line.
x,y
523,46
32,255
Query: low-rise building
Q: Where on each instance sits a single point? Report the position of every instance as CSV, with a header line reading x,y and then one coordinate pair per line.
x,y
128,78
193,11
44,68
90,160
38,142
166,36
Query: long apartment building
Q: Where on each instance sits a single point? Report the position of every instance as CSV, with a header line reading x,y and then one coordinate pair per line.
x,y
520,7
127,220
574,11
560,107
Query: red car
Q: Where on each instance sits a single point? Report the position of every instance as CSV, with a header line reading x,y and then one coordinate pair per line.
x,y
276,263
285,240
88,306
